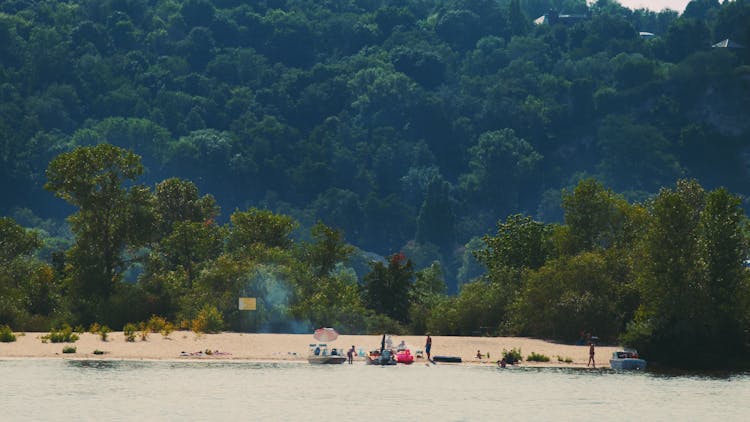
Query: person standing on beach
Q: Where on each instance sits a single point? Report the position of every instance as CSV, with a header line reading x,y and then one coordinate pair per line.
x,y
591,355
428,346
350,355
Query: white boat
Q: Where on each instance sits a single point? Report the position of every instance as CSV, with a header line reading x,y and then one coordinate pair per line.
x,y
627,360
319,355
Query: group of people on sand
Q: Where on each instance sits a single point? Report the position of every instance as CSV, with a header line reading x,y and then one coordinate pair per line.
x,y
201,353
428,348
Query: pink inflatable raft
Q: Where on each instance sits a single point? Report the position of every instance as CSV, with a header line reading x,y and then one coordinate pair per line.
x,y
404,356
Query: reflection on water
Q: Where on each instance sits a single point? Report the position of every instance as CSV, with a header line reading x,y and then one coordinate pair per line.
x,y
52,390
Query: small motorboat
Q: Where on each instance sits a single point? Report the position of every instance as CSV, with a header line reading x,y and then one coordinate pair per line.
x,y
447,359
627,360
319,355
404,356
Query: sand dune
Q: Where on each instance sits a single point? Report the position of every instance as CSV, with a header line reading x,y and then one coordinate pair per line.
x,y
287,347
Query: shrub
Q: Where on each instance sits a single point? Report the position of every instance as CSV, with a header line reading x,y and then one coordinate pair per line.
x,y
566,359
535,357
129,331
79,329
6,334
69,349
94,328
104,332
98,352
512,356
156,323
167,329
143,334
63,335
209,320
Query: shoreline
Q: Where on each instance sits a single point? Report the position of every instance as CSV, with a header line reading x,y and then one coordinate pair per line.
x,y
253,347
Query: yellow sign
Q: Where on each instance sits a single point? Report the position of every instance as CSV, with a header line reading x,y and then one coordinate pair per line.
x,y
247,304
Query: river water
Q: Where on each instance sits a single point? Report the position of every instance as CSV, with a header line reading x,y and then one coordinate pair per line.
x,y
64,390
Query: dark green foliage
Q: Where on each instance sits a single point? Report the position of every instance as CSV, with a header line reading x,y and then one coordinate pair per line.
x,y
330,109
69,349
694,282
386,288
111,217
327,250
512,356
260,227
6,334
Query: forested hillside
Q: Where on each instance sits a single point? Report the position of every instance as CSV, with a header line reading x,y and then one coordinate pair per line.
x,y
404,128
410,125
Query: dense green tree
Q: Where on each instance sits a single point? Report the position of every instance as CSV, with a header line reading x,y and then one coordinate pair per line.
x,y
571,295
686,36
190,244
436,220
29,294
261,227
635,155
386,288
595,218
500,162
177,200
16,241
480,309
519,23
327,249
690,281
520,243
111,217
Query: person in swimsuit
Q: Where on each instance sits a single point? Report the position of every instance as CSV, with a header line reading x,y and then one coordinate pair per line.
x,y
350,355
591,355
428,346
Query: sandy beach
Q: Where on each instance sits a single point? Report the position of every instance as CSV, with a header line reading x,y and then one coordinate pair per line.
x,y
288,347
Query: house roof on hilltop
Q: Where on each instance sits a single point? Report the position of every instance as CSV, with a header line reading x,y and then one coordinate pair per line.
x,y
553,17
727,43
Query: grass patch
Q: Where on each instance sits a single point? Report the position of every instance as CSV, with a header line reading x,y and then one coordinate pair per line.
x,y
69,349
98,352
564,359
6,334
536,357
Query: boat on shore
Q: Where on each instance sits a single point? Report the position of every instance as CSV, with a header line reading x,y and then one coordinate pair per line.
x,y
627,360
447,359
319,355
